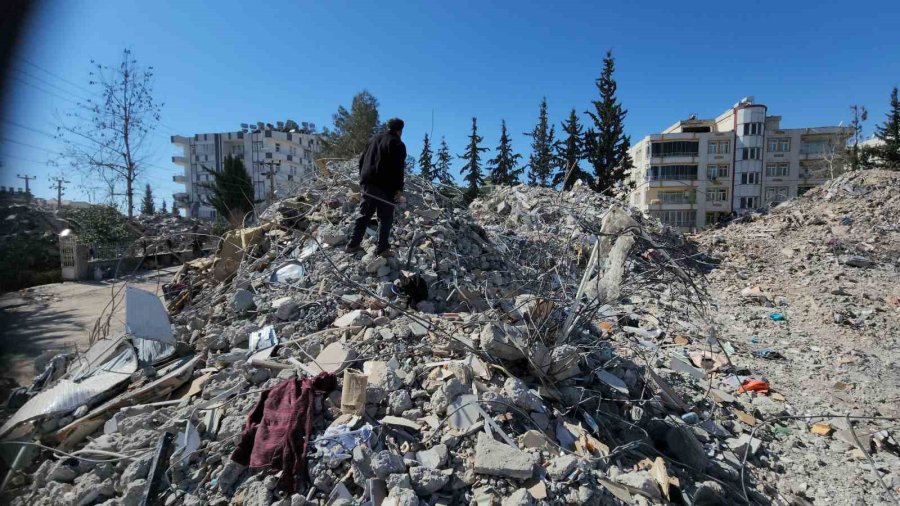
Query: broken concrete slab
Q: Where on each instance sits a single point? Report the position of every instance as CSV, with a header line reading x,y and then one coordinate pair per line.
x,y
334,358
498,459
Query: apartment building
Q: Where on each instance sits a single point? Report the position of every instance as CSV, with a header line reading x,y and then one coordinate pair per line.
x,y
276,159
699,171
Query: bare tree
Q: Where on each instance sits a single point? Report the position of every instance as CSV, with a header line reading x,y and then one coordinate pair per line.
x,y
835,157
105,136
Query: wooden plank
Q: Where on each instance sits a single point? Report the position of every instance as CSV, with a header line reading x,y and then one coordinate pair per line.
x,y
75,432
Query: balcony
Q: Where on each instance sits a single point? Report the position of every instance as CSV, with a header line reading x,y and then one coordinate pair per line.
x,y
180,179
180,160
180,198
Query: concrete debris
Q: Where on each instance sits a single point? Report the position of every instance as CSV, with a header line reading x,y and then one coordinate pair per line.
x,y
426,481
501,356
498,459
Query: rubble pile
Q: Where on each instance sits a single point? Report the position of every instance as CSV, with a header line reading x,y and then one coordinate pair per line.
x,y
808,296
464,368
168,232
542,227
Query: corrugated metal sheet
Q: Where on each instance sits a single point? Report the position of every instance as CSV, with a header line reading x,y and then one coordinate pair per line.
x,y
68,394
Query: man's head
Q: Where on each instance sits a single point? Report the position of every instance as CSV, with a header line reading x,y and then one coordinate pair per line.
x,y
395,125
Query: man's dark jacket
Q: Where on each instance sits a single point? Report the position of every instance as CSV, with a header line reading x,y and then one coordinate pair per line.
x,y
382,164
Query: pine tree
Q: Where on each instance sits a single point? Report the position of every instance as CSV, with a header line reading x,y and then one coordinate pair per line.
x,y
442,167
471,171
626,164
603,142
890,134
147,206
163,210
569,153
426,162
231,191
353,128
504,168
543,142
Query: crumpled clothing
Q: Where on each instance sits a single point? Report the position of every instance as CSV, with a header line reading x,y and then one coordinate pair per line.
x,y
339,441
276,435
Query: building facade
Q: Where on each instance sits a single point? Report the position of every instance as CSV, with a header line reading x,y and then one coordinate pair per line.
x,y
699,171
276,161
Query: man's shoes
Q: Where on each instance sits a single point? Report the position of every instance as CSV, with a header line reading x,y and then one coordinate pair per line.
x,y
352,248
386,252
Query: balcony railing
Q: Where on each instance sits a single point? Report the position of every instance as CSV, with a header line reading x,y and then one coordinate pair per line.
x,y
671,155
670,177
180,179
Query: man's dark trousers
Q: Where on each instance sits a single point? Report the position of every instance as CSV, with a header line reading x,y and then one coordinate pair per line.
x,y
374,201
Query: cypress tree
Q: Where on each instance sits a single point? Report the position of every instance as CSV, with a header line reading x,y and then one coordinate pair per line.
x,y
163,209
442,167
231,191
890,134
603,142
503,168
540,162
569,153
857,155
471,171
426,164
147,206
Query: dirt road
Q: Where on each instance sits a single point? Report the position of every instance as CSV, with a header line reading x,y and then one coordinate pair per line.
x,y
38,322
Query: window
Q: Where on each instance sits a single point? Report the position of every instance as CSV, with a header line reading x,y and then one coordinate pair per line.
x,y
675,148
779,144
716,195
277,147
750,178
749,153
778,169
718,147
672,172
776,193
683,218
257,146
675,197
814,147
749,202
714,172
753,128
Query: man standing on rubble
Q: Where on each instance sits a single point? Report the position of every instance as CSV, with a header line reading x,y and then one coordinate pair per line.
x,y
381,180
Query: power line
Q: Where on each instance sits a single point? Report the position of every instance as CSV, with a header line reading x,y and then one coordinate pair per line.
x,y
78,104
26,83
48,83
63,79
59,190
27,178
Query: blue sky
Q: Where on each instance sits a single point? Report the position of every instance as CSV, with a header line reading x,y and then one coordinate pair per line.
x,y
222,63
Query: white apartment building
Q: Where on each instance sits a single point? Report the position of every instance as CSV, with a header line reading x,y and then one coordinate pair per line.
x,y
698,171
289,155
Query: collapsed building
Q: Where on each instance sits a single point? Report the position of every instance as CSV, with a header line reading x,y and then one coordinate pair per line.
x,y
534,347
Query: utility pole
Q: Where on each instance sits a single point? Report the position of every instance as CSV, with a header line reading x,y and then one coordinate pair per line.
x,y
274,167
27,188
59,190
